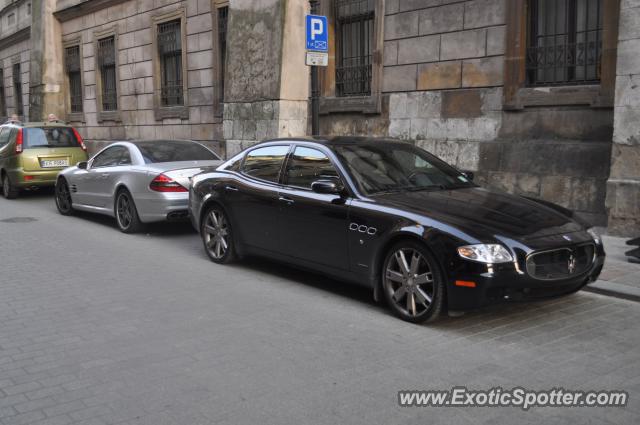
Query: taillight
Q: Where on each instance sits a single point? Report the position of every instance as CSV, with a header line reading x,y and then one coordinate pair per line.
x,y
79,139
163,183
19,141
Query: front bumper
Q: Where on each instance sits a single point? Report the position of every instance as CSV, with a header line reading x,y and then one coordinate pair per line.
x,y
504,283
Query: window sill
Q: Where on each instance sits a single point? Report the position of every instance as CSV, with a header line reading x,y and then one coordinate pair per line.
x,y
108,116
76,117
181,112
358,104
587,95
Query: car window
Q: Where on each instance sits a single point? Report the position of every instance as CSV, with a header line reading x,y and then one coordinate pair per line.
x,y
307,165
112,157
174,150
265,163
4,136
49,137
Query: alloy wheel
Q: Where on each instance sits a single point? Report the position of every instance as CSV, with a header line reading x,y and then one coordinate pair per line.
x,y
124,211
63,197
409,282
216,233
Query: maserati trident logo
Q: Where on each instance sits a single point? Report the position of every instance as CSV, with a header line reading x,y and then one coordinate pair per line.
x,y
571,263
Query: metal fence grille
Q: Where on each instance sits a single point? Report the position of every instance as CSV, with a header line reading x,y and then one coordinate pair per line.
x,y
170,52
72,63
17,89
565,42
354,46
223,15
107,64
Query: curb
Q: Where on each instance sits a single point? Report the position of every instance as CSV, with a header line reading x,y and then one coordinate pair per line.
x,y
616,290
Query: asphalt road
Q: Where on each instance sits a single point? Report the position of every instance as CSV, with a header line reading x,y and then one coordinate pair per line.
x,y
98,327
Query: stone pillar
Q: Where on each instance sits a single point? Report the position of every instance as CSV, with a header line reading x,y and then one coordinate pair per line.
x,y
267,82
623,186
46,69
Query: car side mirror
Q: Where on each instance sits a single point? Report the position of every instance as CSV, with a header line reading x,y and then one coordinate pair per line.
x,y
469,175
82,165
330,187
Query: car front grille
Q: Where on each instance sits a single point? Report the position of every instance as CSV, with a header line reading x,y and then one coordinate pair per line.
x,y
560,263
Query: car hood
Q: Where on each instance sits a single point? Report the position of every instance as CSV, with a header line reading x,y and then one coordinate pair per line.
x,y
484,213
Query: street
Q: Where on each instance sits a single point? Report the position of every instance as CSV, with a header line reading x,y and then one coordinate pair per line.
x,y
99,327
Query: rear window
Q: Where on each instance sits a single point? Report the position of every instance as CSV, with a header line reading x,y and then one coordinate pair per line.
x,y
164,151
49,137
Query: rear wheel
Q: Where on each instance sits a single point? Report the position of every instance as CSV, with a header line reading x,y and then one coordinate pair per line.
x,y
8,190
217,236
412,283
126,213
63,197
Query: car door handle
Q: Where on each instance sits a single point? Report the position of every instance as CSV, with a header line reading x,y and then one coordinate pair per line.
x,y
286,200
231,188
104,176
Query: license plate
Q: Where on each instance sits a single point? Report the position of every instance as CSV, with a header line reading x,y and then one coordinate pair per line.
x,y
53,163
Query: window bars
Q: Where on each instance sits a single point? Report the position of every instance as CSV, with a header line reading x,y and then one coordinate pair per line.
x,y
354,46
170,54
72,63
565,42
107,65
17,89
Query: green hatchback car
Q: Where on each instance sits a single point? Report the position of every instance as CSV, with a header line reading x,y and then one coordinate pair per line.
x,y
32,154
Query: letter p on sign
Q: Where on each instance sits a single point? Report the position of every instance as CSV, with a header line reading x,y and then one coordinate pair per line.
x,y
317,37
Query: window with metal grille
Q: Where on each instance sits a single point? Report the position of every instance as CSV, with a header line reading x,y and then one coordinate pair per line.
x,y
107,67
17,89
565,42
3,99
223,14
170,54
354,46
72,62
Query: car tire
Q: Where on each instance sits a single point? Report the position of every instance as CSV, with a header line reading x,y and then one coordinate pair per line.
x,y
217,235
8,190
126,213
63,197
412,282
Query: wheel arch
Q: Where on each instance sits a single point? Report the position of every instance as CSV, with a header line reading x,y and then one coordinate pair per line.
x,y
383,250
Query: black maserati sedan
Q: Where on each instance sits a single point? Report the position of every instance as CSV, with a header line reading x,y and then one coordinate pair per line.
x,y
391,216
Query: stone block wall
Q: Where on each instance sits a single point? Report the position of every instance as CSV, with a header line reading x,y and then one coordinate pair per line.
x,y
135,30
623,187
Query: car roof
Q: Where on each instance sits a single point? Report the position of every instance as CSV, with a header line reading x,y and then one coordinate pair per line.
x,y
340,140
37,124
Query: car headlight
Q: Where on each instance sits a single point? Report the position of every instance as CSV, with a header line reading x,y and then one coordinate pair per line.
x,y
594,235
485,253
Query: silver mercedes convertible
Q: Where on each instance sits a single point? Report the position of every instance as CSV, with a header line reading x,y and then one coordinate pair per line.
x,y
136,182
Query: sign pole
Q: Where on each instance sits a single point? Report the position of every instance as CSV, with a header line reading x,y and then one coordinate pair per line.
x,y
315,87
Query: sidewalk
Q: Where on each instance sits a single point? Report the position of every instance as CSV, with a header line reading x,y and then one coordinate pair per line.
x,y
619,277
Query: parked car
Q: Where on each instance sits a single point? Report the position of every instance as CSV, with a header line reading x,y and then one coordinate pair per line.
x,y
136,182
392,217
32,154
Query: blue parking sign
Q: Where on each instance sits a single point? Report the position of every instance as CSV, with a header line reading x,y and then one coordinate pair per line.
x,y
317,35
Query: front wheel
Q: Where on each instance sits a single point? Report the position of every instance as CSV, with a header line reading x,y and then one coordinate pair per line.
x,y
412,283
127,213
217,237
63,197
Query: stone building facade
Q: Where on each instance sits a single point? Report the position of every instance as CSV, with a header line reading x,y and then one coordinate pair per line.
x,y
15,57
537,97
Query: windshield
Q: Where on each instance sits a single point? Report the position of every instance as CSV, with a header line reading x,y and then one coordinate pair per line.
x,y
386,167
49,137
172,151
